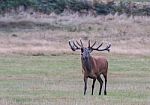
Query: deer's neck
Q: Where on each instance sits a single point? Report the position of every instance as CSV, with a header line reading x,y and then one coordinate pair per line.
x,y
87,64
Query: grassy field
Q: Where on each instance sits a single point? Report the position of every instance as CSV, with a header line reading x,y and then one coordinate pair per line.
x,y
58,80
37,66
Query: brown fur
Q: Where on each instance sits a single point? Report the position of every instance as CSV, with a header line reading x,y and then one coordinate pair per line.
x,y
99,66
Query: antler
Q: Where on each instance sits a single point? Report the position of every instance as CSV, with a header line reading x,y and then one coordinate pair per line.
x,y
81,45
75,47
92,45
107,48
98,48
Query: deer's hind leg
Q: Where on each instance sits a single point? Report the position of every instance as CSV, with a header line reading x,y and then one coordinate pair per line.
x,y
105,77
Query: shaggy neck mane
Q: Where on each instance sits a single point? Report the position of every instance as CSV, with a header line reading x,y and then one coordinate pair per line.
x,y
86,64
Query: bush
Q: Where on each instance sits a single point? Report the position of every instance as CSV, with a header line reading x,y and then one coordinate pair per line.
x,y
49,6
6,5
58,6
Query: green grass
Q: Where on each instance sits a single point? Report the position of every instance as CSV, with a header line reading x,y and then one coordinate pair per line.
x,y
58,80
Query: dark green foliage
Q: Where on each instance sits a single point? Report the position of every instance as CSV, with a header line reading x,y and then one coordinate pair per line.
x,y
58,6
131,9
77,5
143,11
104,9
13,4
48,6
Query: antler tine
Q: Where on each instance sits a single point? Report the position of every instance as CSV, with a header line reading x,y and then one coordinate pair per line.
x,y
107,48
93,44
81,43
78,43
74,47
100,45
89,44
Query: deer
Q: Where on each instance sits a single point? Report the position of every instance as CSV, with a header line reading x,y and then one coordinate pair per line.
x,y
92,67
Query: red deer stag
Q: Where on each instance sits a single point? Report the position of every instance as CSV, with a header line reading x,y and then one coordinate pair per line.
x,y
93,67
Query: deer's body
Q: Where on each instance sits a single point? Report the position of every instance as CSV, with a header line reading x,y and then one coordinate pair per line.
x,y
92,67
99,65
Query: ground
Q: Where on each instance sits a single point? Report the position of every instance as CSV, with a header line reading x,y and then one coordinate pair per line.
x,y
58,80
37,67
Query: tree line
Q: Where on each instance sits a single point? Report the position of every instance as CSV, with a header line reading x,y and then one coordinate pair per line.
x,y
81,6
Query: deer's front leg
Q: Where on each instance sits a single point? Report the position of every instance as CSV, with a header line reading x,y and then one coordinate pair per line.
x,y
85,84
93,85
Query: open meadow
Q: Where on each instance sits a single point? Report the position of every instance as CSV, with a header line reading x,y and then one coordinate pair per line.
x,y
37,66
58,80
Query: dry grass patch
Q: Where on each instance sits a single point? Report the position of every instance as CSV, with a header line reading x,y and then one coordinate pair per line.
x,y
46,34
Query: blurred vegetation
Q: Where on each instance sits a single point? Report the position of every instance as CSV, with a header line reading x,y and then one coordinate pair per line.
x,y
58,6
8,5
